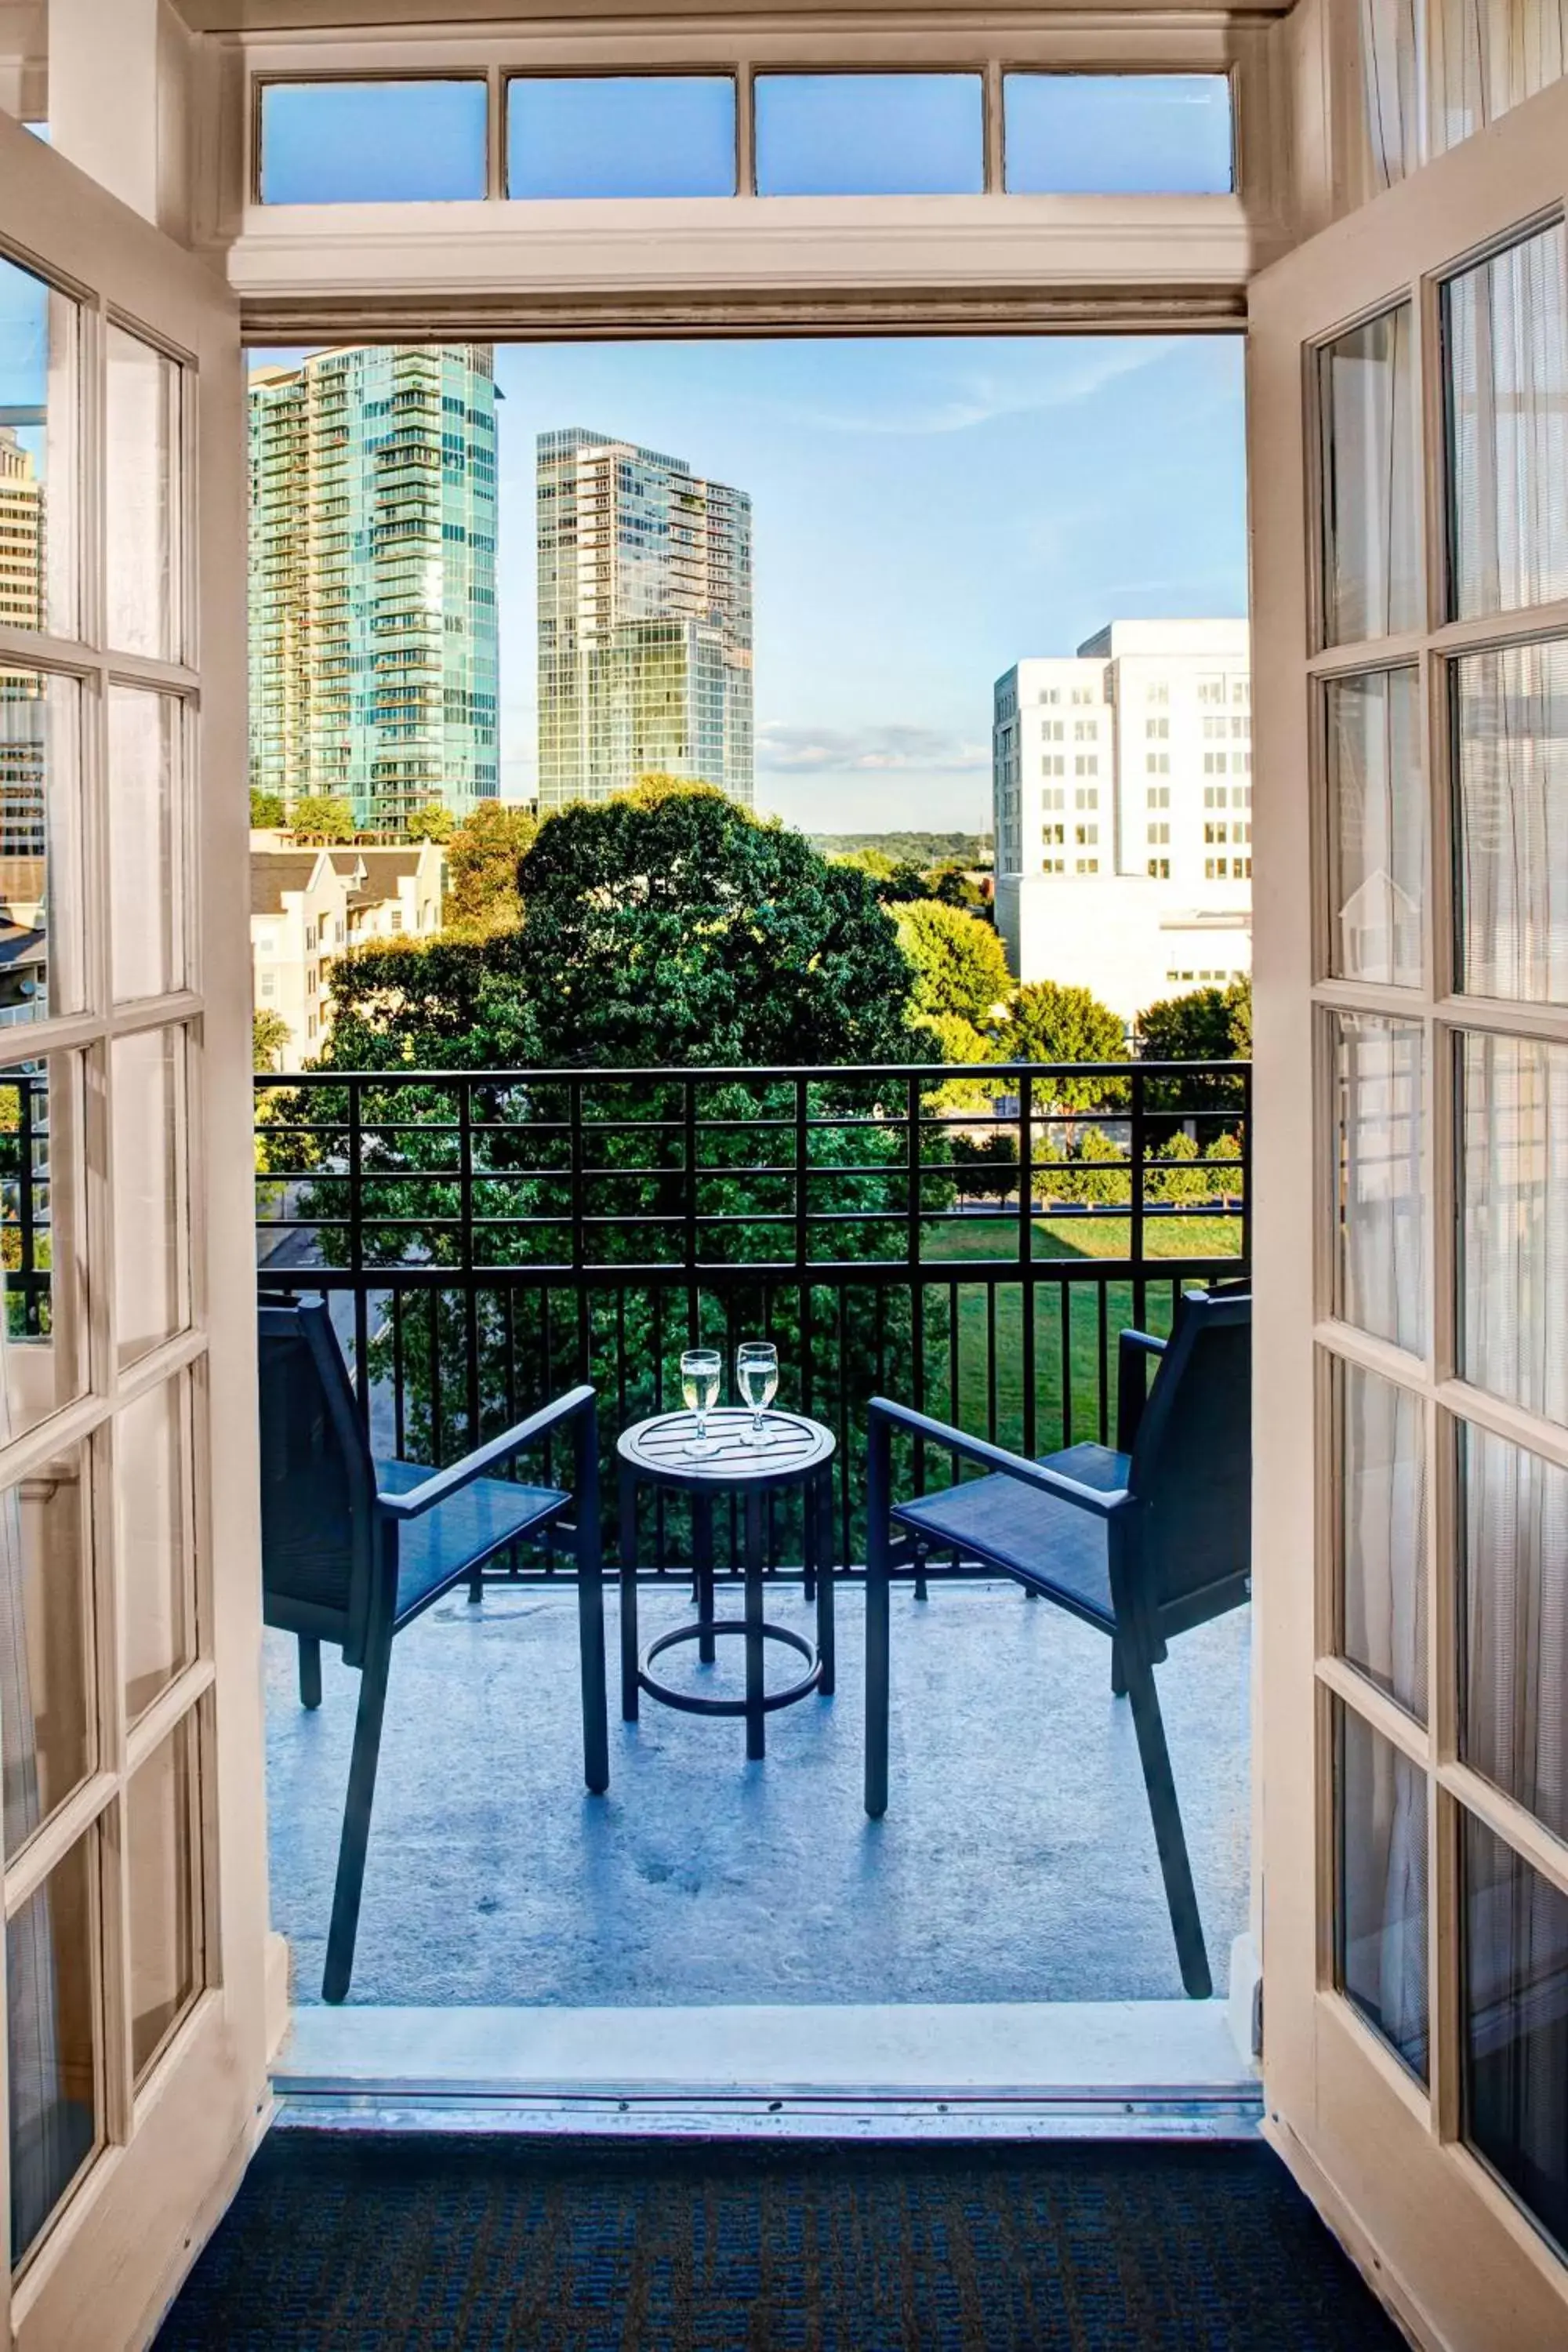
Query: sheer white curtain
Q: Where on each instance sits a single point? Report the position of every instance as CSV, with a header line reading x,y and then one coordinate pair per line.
x,y
1436,71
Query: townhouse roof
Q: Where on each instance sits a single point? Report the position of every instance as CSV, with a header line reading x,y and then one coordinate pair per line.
x,y
275,873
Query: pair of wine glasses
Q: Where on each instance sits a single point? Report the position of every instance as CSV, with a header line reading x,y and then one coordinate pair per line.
x,y
757,1377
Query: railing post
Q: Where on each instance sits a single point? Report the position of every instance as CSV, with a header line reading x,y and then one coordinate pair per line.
x,y
1137,1147
466,1251
912,1246
1026,1248
1244,1171
692,1321
26,1239
356,1249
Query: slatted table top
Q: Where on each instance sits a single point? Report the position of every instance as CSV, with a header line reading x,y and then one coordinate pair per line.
x,y
795,1446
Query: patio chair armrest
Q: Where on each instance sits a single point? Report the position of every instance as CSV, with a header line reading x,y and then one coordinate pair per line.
x,y
1132,1386
442,1485
884,1414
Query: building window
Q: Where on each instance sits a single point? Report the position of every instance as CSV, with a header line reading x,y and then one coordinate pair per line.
x,y
1088,835
1157,763
1241,832
1241,728
1214,763
1159,834
1050,694
1159,871
1086,764
1156,730
1213,796
1086,730
1052,731
1211,689
1053,836
1053,764
1159,692
1241,869
1158,795
311,1025
1056,800
1087,797
269,983
1054,865
1214,832
1084,694
1241,692
1214,869
394,918
1088,865
309,938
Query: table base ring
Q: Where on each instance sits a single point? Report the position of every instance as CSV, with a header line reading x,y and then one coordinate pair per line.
x,y
694,1703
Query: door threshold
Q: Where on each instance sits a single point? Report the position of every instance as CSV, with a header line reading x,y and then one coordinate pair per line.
x,y
857,2072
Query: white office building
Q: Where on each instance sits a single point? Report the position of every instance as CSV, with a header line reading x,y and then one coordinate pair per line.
x,y
1122,782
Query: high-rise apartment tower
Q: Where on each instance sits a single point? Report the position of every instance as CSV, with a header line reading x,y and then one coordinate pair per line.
x,y
645,622
373,647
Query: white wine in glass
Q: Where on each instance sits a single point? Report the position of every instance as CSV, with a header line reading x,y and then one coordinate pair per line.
x,y
701,1368
757,1378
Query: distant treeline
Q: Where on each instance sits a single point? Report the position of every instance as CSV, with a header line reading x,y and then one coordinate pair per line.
x,y
909,848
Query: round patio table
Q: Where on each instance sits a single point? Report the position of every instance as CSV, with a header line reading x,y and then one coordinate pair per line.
x,y
796,1453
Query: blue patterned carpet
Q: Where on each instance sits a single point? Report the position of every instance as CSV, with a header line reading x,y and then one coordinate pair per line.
x,y
362,2243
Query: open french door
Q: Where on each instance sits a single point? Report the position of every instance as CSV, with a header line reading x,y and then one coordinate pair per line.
x,y
1409,467
135,1952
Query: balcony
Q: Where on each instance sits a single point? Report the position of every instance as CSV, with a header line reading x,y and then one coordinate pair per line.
x,y
486,1240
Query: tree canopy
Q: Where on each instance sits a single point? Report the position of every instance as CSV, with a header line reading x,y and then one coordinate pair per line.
x,y
1210,1024
959,963
663,927
1053,1021
321,816
434,822
268,813
481,865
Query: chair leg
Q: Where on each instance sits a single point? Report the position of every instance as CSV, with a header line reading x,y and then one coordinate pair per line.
x,y
877,1615
1165,1813
309,1670
591,1649
1117,1679
355,1839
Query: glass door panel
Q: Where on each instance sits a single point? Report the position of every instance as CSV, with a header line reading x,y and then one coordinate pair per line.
x,y
1370,514
48,1692
1383,1534
1507,350
1380,1953
1513,1210
1515,1976
39,441
1510,822
1513,1586
54,2039
143,483
1377,827
1381,1265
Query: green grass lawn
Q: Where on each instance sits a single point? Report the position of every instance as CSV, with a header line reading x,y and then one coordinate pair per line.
x,y
994,1239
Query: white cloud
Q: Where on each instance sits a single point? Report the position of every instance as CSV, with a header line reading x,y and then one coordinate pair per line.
x,y
866,750
981,397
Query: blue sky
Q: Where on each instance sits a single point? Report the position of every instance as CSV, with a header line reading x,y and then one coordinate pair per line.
x,y
926,512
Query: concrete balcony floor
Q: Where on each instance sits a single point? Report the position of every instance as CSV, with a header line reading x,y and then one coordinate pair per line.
x,y
1016,1862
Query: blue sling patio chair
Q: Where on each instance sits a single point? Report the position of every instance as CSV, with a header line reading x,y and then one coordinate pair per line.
x,y
354,1548
1143,1542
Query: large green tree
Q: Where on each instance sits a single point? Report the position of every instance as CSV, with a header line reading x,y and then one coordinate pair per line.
x,y
959,964
1209,1025
1053,1021
322,816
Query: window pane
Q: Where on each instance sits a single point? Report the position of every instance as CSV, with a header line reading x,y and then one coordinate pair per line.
x,y
1377,820
147,840
1382,1254
1383,1533
154,1532
141,489
1511,727
909,135
1515,1978
40,846
1514,1559
1513,1174
52,2040
1118,135
1506,351
38,452
372,143
46,1641
1380,1925
1371,580
151,1282
43,1240
621,135
162,1840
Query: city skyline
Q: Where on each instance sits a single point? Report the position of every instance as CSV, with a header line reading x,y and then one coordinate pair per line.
x,y
927,512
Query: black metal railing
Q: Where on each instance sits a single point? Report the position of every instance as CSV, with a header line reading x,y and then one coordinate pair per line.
x,y
26,1237
969,1240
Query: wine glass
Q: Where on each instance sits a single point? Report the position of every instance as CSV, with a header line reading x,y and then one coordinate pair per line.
x,y
701,1368
757,1378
